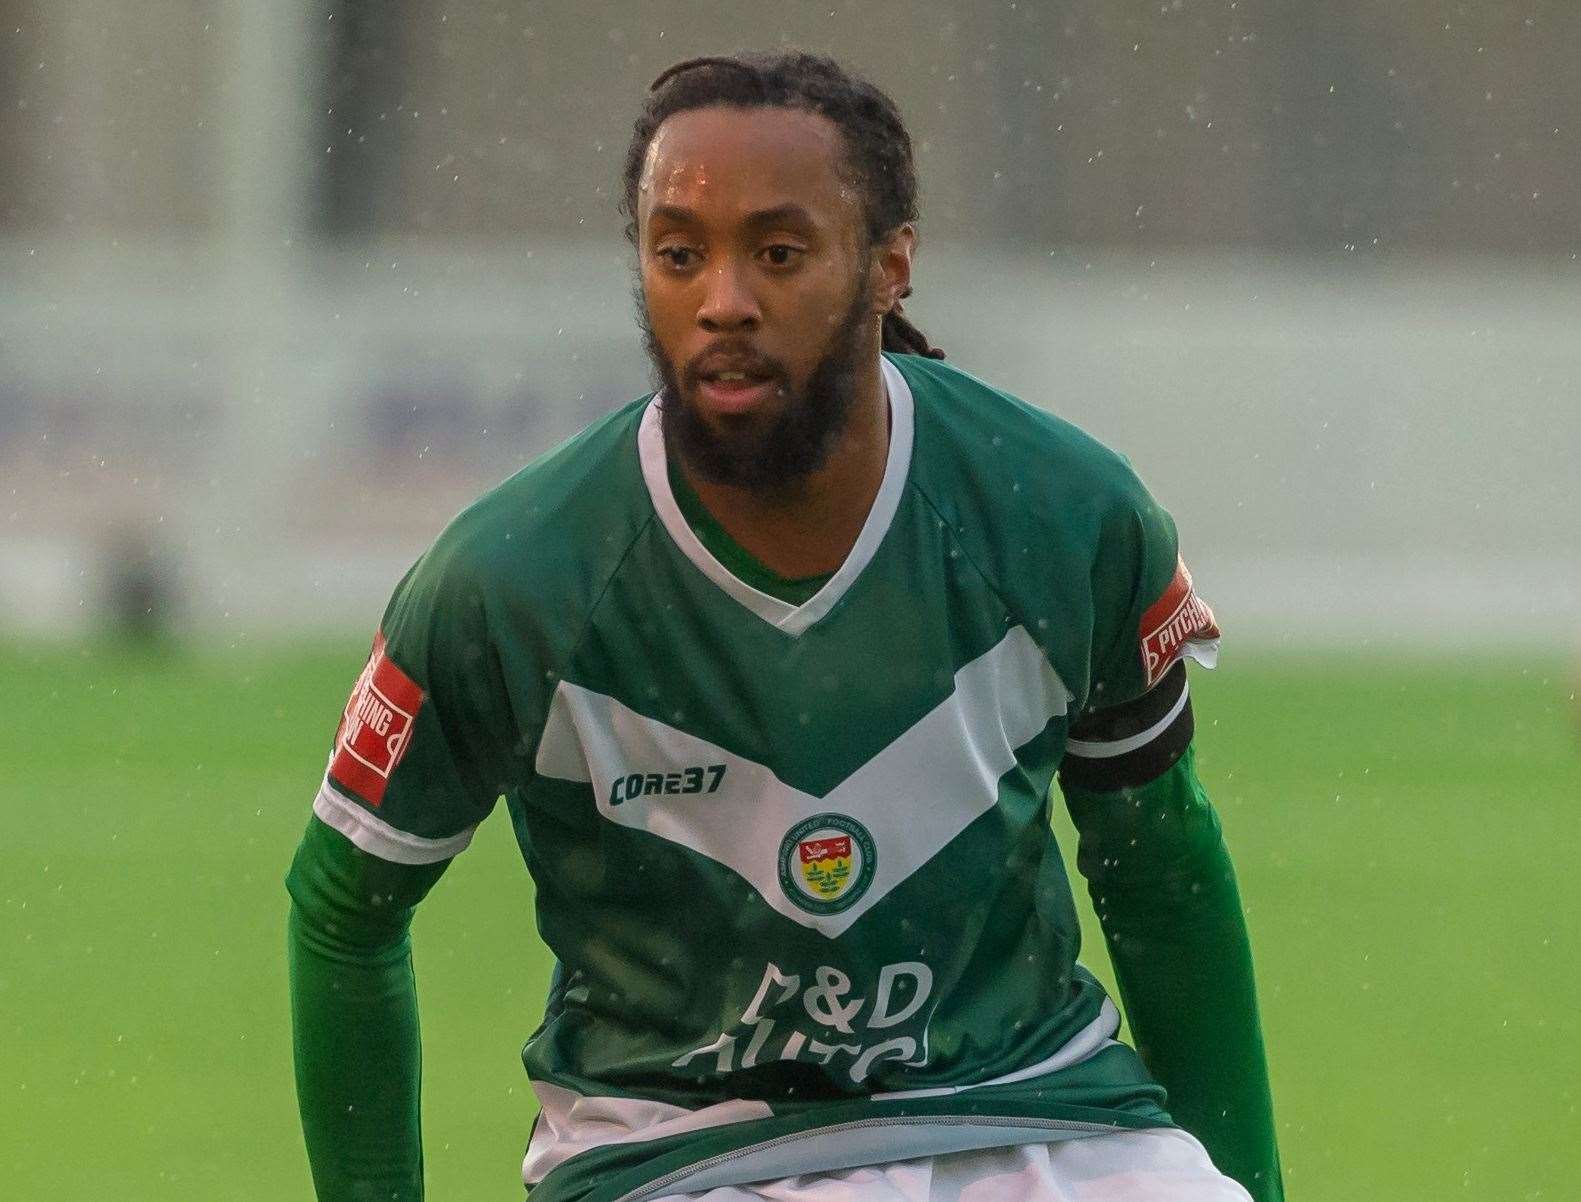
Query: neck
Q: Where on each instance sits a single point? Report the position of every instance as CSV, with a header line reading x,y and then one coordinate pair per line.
x,y
809,527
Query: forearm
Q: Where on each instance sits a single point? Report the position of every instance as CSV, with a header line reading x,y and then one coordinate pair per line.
x,y
1185,976
354,1019
1166,897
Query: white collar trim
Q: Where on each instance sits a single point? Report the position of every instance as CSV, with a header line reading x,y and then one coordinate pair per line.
x,y
792,619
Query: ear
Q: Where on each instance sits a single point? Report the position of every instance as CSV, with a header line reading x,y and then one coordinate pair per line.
x,y
891,267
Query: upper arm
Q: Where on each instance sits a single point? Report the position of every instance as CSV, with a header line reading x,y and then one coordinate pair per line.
x,y
1137,721
425,745
350,901
1130,744
1146,612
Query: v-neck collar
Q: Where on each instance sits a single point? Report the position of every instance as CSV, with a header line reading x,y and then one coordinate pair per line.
x,y
741,562
784,616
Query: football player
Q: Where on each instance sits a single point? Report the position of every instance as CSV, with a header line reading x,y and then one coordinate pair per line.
x,y
775,669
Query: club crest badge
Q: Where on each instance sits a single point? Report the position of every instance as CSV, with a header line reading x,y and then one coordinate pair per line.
x,y
826,863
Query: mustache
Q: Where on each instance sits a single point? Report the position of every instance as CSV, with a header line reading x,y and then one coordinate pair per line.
x,y
731,356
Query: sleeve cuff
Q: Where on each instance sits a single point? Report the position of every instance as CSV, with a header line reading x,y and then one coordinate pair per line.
x,y
378,838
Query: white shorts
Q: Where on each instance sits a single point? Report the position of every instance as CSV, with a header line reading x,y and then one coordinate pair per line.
x,y
1160,1165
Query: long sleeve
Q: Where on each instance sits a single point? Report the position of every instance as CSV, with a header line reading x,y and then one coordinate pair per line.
x,y
1165,894
354,1017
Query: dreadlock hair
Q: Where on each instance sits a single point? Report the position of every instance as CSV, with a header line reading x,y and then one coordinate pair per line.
x,y
878,148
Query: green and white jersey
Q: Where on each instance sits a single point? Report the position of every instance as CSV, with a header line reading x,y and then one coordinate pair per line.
x,y
794,860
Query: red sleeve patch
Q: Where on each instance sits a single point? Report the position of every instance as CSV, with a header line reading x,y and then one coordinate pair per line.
x,y
376,728
1173,622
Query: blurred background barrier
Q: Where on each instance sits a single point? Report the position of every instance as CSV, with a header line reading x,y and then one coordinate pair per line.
x,y
285,285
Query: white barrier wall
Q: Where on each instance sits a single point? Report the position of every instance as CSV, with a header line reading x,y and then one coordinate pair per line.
x,y
1351,447
1354,449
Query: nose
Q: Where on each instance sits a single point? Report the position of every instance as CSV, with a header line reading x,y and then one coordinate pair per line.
x,y
728,302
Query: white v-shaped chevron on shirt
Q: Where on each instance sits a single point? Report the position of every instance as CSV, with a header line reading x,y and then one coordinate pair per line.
x,y
914,796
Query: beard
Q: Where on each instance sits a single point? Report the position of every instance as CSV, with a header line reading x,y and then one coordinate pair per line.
x,y
765,456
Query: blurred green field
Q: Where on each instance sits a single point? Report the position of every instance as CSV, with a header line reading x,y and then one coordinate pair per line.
x,y
1406,833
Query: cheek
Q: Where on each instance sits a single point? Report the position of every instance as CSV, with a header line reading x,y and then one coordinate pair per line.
x,y
828,311
668,304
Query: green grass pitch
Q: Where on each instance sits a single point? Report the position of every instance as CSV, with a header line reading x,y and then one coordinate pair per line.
x,y
1406,833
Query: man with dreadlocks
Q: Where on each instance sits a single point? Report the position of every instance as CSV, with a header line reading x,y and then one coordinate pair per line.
x,y
775,669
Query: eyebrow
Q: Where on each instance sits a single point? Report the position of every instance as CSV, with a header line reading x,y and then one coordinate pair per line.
x,y
785,214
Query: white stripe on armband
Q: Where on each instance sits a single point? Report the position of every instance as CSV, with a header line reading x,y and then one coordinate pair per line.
x,y
1099,750
378,838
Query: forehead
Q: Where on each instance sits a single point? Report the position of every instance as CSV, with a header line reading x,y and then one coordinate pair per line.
x,y
722,161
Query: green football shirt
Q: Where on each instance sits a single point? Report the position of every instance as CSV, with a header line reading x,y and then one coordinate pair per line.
x,y
792,854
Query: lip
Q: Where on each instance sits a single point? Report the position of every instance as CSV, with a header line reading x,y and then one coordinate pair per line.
x,y
736,396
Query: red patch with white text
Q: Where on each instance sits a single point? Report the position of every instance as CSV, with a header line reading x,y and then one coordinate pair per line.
x,y
376,728
813,850
1176,619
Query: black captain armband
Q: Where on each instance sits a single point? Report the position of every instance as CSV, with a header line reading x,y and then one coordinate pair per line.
x,y
1128,745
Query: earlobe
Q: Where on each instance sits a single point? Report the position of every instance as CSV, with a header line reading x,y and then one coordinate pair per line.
x,y
885,295
895,262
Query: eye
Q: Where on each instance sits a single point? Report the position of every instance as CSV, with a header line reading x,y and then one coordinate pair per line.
x,y
679,257
781,254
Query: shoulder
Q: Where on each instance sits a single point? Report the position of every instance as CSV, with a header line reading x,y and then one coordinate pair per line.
x,y
537,548
1059,524
560,515
993,462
